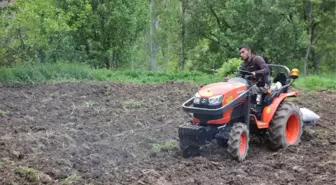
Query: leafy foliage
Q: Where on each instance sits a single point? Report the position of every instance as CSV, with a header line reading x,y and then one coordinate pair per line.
x,y
168,35
228,68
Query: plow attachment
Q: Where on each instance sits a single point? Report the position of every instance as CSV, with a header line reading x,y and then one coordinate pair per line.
x,y
309,117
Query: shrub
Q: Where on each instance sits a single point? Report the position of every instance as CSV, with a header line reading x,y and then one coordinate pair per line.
x,y
228,68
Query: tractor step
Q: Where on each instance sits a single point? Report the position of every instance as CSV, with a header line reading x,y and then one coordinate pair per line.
x,y
262,124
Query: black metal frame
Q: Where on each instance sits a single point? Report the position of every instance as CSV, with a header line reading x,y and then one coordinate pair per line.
x,y
284,89
288,75
281,66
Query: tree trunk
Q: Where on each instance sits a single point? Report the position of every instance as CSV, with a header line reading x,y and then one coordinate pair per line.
x,y
151,34
183,4
115,59
314,56
23,45
307,54
168,53
110,61
41,55
310,30
107,61
316,61
43,32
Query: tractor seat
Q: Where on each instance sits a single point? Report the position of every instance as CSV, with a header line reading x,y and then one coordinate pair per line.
x,y
280,77
275,87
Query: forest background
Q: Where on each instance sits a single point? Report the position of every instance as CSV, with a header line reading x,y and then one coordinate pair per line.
x,y
160,40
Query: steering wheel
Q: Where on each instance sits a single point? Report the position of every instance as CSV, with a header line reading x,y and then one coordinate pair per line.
x,y
248,72
249,75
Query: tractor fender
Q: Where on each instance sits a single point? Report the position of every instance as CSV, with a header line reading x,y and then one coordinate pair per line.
x,y
269,111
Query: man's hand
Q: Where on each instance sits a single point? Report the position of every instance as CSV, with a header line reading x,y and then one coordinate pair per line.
x,y
227,79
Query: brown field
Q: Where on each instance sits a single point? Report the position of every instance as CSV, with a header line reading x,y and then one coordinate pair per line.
x,y
111,133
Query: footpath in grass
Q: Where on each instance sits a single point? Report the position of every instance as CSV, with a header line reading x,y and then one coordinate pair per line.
x,y
69,72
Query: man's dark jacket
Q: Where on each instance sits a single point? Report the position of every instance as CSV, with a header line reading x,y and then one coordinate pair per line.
x,y
258,65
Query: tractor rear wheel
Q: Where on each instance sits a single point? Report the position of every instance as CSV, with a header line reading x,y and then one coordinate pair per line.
x,y
286,126
238,142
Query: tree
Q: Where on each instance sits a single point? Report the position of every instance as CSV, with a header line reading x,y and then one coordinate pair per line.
x,y
169,35
319,17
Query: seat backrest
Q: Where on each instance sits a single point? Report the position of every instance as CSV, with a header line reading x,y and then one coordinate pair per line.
x,y
282,78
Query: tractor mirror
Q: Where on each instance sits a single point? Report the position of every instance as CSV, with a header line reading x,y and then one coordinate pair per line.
x,y
294,73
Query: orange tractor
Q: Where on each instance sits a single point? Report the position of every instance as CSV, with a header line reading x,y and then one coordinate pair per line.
x,y
225,112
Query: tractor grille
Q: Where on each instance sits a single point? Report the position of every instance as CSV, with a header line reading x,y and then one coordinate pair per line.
x,y
204,117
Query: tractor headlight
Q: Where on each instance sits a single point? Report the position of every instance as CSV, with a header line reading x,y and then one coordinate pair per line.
x,y
216,100
197,99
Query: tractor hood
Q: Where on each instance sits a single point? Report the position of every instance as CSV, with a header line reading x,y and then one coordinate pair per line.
x,y
220,88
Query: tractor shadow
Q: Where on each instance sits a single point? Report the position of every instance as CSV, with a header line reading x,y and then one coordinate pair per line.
x,y
258,145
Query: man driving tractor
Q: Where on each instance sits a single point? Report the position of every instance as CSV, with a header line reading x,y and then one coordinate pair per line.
x,y
258,67
228,111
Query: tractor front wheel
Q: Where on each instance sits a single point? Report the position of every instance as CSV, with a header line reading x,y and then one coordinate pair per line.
x,y
286,126
238,142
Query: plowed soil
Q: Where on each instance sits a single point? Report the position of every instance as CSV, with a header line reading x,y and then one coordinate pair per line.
x,y
111,133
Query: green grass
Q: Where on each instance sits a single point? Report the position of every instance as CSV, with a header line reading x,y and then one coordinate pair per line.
x,y
30,174
134,104
314,82
28,73
71,179
69,72
169,145
65,72
3,113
